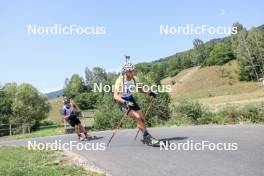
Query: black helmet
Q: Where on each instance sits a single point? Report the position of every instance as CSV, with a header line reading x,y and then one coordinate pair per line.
x,y
66,101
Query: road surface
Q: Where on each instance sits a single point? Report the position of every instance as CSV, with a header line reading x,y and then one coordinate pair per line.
x,y
126,157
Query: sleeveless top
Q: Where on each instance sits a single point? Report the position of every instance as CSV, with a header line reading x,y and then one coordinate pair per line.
x,y
125,87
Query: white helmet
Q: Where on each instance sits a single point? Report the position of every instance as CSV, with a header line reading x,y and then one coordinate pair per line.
x,y
128,66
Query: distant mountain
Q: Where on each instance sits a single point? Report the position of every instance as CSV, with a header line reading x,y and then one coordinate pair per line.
x,y
261,27
55,94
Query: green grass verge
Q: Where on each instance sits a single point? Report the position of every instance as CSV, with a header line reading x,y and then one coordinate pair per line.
x,y
19,161
51,131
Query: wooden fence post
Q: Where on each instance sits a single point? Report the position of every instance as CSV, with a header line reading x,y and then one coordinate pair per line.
x,y
10,130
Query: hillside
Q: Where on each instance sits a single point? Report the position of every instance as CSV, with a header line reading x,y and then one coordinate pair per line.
x,y
55,94
214,85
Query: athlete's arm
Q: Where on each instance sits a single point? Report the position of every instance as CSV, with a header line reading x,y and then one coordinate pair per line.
x,y
66,117
117,90
75,106
117,97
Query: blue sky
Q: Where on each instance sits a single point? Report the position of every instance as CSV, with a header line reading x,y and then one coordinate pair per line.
x,y
132,27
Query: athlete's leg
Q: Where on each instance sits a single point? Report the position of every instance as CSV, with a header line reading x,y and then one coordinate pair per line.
x,y
82,129
142,117
139,119
77,130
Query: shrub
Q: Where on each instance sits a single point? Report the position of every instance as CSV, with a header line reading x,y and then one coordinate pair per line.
x,y
190,109
108,113
249,113
86,100
252,113
230,114
179,121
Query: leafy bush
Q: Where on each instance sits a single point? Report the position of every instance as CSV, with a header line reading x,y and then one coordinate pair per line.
x,y
221,54
249,113
29,106
86,100
190,109
230,114
179,121
108,113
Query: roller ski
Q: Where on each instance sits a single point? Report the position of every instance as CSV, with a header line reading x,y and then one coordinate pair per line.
x,y
150,141
86,137
89,138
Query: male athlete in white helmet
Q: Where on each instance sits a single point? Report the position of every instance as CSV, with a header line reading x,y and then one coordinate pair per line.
x,y
123,95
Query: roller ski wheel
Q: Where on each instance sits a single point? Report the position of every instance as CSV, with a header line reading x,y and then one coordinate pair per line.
x,y
88,137
150,141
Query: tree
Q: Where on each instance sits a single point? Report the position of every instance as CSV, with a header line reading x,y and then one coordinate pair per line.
x,y
221,54
10,90
256,41
234,37
88,75
29,106
5,107
7,96
86,100
250,54
66,82
97,75
200,51
75,87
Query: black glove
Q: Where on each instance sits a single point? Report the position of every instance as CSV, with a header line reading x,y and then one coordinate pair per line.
x,y
129,104
152,94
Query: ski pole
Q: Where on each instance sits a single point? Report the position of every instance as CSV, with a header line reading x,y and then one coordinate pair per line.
x,y
118,126
145,114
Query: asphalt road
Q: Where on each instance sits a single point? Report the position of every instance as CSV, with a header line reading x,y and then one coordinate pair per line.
x,y
127,157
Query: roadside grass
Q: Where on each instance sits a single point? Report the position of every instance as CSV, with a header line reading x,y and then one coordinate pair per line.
x,y
19,161
49,131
